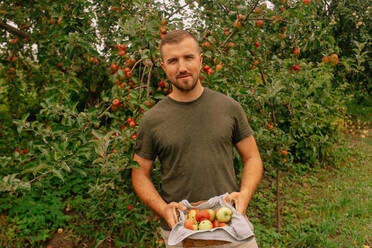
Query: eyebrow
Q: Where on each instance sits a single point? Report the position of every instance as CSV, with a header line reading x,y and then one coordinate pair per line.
x,y
187,56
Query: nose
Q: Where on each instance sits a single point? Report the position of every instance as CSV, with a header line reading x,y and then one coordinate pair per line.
x,y
182,66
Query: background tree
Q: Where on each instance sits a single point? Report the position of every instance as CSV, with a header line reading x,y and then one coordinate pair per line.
x,y
76,77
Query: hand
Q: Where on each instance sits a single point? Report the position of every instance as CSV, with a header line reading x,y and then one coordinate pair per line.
x,y
239,200
171,213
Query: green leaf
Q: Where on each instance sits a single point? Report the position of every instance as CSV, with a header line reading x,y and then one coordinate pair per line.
x,y
58,174
40,167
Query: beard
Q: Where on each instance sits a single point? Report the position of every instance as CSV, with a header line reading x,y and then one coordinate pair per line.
x,y
185,87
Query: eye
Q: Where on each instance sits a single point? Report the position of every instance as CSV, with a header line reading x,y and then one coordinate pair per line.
x,y
172,61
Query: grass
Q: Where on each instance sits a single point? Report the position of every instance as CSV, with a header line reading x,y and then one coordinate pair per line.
x,y
331,207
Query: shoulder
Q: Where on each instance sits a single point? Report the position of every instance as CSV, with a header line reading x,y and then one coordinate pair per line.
x,y
222,99
156,112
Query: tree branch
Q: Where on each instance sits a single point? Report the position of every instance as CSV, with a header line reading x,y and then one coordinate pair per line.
x,y
148,82
177,10
15,31
235,30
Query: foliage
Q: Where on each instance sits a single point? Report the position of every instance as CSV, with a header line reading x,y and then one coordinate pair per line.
x,y
76,77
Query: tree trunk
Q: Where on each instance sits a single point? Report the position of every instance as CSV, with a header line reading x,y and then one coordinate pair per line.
x,y
277,200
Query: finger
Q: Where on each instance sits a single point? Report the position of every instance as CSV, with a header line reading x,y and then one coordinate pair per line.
x,y
181,207
175,214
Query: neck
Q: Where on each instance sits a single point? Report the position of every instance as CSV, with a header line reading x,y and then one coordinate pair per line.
x,y
188,96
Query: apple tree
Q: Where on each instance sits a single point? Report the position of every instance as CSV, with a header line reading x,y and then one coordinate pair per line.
x,y
77,77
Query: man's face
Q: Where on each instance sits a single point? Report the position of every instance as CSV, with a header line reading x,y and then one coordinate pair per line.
x,y
182,63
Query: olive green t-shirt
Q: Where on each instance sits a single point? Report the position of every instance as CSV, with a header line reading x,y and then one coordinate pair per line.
x,y
194,143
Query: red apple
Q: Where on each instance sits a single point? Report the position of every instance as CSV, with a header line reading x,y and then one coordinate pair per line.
x,y
257,10
296,51
132,124
191,224
237,24
216,223
116,102
333,59
223,214
205,225
114,67
260,23
205,214
284,152
210,71
296,67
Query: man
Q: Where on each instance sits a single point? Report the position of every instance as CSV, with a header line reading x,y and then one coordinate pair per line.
x,y
193,131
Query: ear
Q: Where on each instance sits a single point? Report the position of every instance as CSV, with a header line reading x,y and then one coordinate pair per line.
x,y
201,60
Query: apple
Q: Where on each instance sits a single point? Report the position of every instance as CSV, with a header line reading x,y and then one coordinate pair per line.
x,y
206,45
325,59
116,102
237,24
121,53
226,31
191,224
114,67
307,2
219,67
240,16
205,214
163,30
222,224
333,59
205,225
257,10
284,153
260,23
132,124
191,214
296,51
216,223
256,44
210,71
223,214
296,67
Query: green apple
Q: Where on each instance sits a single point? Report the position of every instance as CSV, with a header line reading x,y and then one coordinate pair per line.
x,y
223,214
205,225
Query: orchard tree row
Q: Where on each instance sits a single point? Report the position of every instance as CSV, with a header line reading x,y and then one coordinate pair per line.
x,y
76,78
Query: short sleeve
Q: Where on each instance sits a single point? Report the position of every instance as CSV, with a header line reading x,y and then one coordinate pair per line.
x,y
145,146
242,129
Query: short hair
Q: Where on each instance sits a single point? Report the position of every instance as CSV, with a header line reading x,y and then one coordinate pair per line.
x,y
176,36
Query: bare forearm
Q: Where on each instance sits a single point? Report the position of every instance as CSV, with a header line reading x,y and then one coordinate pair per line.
x,y
252,174
147,192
